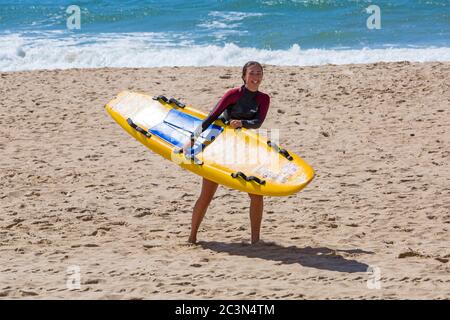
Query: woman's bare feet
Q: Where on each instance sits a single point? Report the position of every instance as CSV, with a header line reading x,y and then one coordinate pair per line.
x,y
192,240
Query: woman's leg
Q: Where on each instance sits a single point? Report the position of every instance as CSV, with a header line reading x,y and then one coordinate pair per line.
x,y
256,211
208,190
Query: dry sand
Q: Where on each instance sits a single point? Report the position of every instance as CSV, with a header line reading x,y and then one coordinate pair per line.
x,y
76,190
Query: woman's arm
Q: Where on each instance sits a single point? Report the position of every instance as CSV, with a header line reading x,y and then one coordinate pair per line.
x,y
228,98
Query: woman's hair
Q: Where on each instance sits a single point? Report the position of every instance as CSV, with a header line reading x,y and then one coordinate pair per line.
x,y
249,64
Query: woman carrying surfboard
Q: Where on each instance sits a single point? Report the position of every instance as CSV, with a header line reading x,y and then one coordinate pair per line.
x,y
240,107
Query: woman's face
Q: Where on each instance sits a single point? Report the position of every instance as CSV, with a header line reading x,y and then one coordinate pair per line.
x,y
253,77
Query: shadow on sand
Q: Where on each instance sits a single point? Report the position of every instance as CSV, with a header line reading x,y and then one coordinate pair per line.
x,y
319,258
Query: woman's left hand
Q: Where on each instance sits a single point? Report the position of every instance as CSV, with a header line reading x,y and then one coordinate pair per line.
x,y
236,124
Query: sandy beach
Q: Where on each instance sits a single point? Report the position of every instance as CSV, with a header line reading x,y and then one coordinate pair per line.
x,y
76,190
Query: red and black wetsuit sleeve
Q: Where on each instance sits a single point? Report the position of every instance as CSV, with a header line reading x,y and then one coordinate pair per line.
x,y
229,98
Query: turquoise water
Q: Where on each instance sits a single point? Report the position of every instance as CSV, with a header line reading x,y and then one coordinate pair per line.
x,y
34,34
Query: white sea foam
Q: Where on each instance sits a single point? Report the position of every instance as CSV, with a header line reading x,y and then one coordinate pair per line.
x,y
218,25
234,15
19,52
222,24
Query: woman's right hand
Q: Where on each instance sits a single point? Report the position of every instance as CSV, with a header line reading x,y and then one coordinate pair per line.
x,y
235,124
187,146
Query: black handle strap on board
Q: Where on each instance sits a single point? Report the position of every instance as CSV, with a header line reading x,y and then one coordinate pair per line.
x,y
248,178
280,150
160,97
169,101
177,103
138,129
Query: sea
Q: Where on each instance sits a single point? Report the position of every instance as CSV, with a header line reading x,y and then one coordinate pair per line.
x,y
98,33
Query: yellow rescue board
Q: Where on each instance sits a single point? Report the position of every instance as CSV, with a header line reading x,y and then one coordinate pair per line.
x,y
237,158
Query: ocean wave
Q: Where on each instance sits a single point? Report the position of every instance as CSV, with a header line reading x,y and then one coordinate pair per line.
x,y
218,25
234,15
310,3
226,22
18,52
